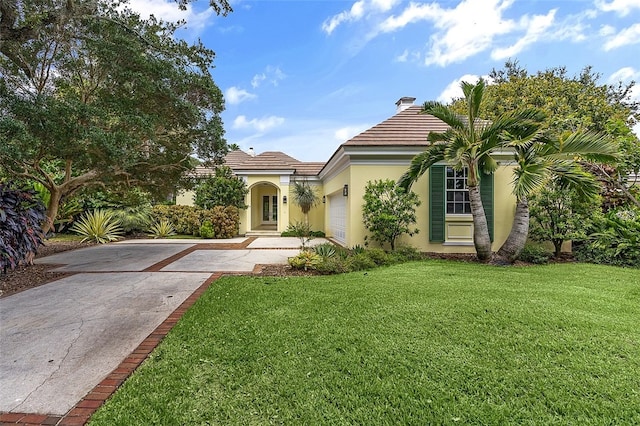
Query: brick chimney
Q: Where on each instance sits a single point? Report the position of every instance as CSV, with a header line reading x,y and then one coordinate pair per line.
x,y
404,103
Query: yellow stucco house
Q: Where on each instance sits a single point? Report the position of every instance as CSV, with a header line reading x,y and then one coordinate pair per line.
x,y
381,152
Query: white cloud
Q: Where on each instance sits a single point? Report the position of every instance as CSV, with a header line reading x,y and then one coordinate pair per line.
x,y
260,124
461,32
621,7
624,74
453,89
343,134
630,35
235,95
271,74
536,27
169,11
403,57
359,10
607,30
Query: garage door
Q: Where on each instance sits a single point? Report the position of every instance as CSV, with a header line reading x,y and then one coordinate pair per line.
x,y
338,218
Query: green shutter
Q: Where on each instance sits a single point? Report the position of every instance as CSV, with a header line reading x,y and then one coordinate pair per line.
x,y
436,203
486,193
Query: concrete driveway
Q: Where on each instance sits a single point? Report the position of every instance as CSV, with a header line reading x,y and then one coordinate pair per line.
x,y
60,340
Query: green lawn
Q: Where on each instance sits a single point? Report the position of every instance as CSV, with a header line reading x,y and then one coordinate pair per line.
x,y
432,342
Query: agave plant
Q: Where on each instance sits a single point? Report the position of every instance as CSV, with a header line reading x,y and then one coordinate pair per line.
x,y
162,229
99,226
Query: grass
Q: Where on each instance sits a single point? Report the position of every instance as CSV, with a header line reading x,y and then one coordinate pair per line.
x,y
431,342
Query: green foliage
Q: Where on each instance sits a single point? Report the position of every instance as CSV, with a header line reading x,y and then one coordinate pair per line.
x,y
357,249
222,189
305,260
21,213
301,230
325,250
534,253
100,226
360,258
188,219
616,240
133,219
560,214
206,229
389,211
116,99
570,103
161,229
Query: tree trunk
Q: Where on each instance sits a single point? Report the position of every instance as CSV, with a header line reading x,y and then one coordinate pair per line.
x,y
52,208
481,237
557,244
517,238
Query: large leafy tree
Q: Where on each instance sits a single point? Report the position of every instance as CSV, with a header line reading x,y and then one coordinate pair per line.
x,y
571,104
467,143
102,97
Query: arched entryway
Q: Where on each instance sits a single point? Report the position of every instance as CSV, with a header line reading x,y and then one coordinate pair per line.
x,y
265,206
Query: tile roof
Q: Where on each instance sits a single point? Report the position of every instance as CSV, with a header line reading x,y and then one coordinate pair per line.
x,y
271,160
406,128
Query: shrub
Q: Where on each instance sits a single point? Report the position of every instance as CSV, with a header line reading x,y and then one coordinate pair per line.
x,y
357,249
325,250
360,261
334,265
616,240
161,229
302,231
406,253
306,259
379,256
534,253
21,214
100,226
222,189
133,219
389,211
188,219
206,229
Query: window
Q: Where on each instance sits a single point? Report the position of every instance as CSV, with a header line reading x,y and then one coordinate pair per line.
x,y
457,192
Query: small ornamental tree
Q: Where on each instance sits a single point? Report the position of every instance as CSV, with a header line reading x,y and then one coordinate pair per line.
x,y
222,189
559,215
21,214
389,211
305,196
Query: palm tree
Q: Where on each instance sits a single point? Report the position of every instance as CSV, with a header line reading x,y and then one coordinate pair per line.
x,y
305,197
467,143
540,159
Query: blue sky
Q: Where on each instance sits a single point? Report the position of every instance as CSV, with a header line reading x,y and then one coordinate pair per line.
x,y
303,76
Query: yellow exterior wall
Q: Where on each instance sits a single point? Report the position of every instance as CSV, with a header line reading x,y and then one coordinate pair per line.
x,y
357,176
185,198
334,186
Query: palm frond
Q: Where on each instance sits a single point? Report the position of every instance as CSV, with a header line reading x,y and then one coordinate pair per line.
x,y
443,113
420,164
591,145
474,97
528,177
572,175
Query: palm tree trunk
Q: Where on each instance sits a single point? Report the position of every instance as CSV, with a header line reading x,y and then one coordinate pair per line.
x,y
481,238
517,238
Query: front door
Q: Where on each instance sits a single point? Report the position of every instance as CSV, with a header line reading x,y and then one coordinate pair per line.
x,y
269,209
